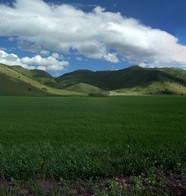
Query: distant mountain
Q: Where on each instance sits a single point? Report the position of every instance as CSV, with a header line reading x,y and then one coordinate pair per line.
x,y
133,80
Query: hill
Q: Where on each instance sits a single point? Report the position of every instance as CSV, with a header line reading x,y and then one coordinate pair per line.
x,y
15,83
133,80
38,75
15,80
84,88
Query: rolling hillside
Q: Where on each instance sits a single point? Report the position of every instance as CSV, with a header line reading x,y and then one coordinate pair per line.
x,y
16,84
84,88
130,81
38,75
110,80
135,80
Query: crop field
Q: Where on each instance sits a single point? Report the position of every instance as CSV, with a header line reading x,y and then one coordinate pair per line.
x,y
88,145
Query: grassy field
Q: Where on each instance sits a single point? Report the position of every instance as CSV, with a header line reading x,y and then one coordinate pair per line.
x,y
93,139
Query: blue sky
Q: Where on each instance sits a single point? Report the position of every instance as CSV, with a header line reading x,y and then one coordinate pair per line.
x,y
61,36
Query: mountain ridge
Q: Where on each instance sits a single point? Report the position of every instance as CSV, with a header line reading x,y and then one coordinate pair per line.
x,y
125,78
133,80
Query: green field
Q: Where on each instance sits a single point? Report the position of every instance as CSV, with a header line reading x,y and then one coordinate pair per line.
x,y
83,138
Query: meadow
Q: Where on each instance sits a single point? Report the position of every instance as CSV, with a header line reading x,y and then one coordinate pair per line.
x,y
89,139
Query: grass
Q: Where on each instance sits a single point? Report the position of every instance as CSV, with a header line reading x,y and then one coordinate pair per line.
x,y
16,84
18,81
130,81
155,88
84,88
38,75
85,138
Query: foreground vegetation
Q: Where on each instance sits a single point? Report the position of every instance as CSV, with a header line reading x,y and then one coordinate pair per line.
x,y
106,145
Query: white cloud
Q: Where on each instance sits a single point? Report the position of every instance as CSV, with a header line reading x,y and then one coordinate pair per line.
x,y
9,59
41,68
49,63
66,28
111,57
37,62
55,55
44,52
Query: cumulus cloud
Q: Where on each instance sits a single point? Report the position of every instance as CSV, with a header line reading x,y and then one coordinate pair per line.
x,y
111,57
95,34
9,59
37,62
49,63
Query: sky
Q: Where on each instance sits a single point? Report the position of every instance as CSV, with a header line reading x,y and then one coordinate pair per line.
x,y
61,36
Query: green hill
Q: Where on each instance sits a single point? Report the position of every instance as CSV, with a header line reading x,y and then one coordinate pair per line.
x,y
133,80
175,73
84,88
15,83
38,75
109,80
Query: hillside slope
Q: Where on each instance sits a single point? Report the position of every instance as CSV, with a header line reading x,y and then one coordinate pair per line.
x,y
84,88
39,75
132,80
15,83
110,80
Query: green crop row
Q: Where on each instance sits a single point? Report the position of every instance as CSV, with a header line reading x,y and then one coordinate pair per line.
x,y
86,137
